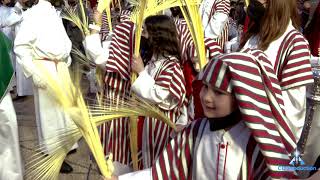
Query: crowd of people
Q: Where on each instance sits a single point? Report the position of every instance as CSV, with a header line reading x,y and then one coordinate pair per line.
x,y
240,116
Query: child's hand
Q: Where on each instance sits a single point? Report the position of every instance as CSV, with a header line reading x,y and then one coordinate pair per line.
x,y
97,17
137,64
180,127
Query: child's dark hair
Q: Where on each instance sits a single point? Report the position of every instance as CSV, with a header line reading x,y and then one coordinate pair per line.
x,y
163,36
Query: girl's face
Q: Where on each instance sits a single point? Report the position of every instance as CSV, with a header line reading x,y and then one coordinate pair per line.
x,y
216,103
264,2
144,32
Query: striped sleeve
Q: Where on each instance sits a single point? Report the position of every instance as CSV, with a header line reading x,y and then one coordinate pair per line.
x,y
125,15
222,6
179,152
184,36
121,49
254,166
213,46
296,70
104,27
171,77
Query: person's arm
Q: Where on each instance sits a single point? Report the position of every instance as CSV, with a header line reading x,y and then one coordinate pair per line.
x,y
295,108
12,19
296,74
23,48
145,86
97,51
92,43
218,20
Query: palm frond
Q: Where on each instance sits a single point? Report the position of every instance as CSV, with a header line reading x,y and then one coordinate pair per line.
x,y
85,119
104,5
73,16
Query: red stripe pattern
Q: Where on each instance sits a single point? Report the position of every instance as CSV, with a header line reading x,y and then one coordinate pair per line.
x,y
156,133
121,50
210,44
115,134
244,75
184,36
125,15
292,65
104,27
170,76
221,6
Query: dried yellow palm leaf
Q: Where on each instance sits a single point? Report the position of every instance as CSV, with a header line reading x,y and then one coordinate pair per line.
x,y
104,5
129,106
73,16
133,123
247,2
40,166
85,121
81,58
152,8
84,18
47,167
70,98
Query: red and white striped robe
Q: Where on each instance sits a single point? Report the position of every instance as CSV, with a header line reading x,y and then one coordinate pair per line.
x,y
115,134
156,134
292,64
180,154
290,56
194,86
221,6
125,15
184,35
254,84
104,27
211,45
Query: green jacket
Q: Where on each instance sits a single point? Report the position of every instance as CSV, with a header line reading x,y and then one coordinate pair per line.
x,y
6,69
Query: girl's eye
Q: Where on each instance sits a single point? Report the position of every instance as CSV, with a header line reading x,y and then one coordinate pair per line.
x,y
205,86
218,92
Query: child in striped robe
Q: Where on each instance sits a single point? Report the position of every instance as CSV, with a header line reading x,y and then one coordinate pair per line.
x,y
191,64
273,30
161,82
244,134
213,49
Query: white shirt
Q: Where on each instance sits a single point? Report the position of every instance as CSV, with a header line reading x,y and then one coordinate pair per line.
x,y
98,52
220,153
210,161
212,27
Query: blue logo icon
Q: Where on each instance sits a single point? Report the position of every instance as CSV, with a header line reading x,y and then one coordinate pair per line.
x,y
296,160
296,163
